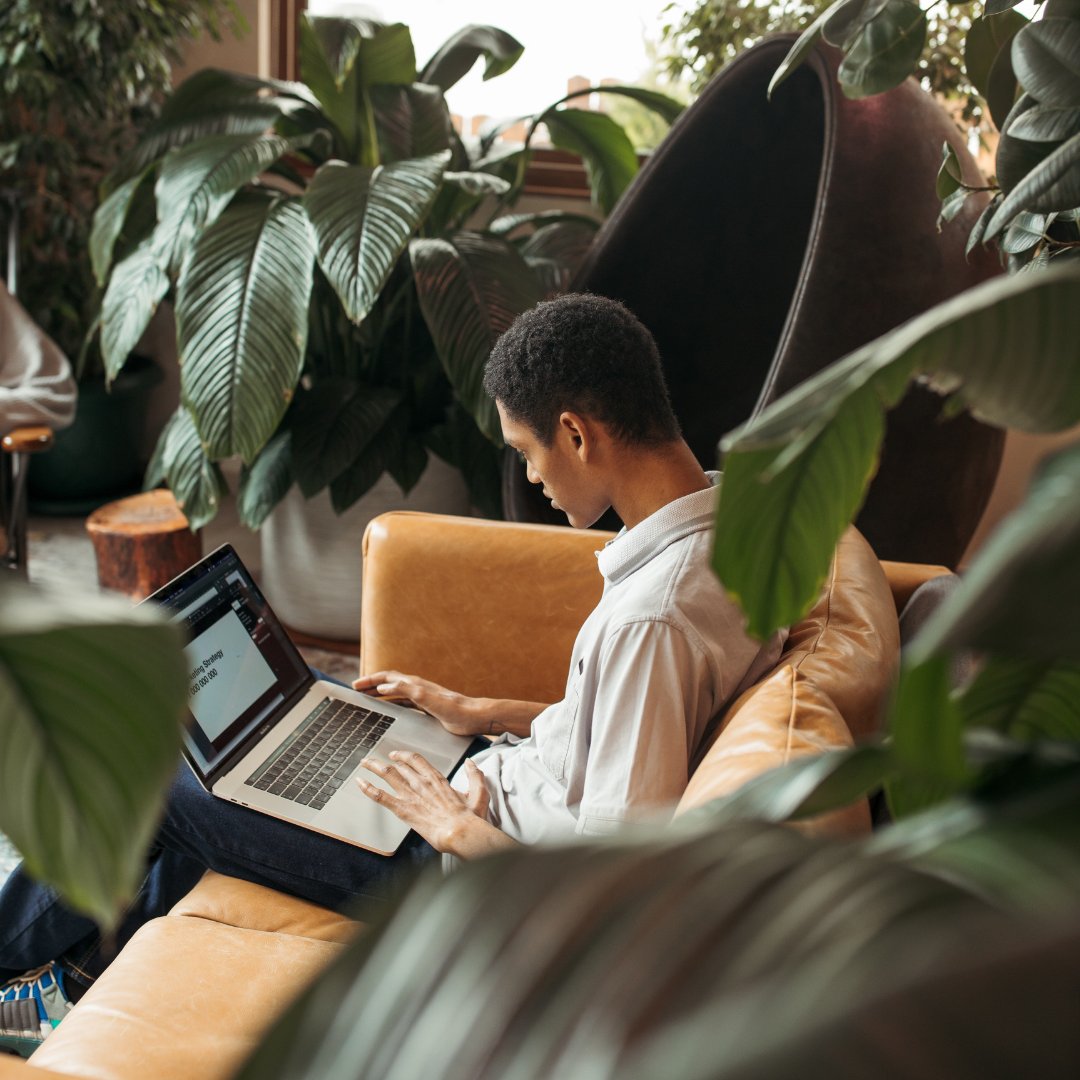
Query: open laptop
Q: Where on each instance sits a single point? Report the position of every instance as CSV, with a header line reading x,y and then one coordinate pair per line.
x,y
265,734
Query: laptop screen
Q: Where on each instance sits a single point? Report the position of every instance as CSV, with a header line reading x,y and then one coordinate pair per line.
x,y
242,667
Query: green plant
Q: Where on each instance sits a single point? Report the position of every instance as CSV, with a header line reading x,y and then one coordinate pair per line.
x,y
335,300
79,77
91,694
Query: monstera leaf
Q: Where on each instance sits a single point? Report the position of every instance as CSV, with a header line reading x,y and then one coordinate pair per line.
x,y
91,695
242,321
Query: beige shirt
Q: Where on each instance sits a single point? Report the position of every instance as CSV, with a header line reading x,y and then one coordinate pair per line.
x,y
660,656
36,386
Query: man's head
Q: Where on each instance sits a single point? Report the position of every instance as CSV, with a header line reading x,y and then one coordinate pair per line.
x,y
584,354
580,392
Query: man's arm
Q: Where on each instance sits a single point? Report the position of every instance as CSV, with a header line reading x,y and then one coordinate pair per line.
x,y
422,797
459,714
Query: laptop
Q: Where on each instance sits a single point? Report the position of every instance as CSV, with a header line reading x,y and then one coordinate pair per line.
x,y
264,733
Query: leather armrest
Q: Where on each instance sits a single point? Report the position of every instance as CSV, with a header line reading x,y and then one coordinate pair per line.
x,y
905,578
487,608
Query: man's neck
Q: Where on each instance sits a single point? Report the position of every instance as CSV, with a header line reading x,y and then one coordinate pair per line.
x,y
654,477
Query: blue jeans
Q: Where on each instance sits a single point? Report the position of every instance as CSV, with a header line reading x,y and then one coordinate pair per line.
x,y
201,832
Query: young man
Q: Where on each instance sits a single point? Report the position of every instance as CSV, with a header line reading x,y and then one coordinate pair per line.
x,y
580,393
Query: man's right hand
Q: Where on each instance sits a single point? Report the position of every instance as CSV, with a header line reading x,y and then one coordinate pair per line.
x,y
460,715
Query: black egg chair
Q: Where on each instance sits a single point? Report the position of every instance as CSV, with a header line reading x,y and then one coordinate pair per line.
x,y
766,239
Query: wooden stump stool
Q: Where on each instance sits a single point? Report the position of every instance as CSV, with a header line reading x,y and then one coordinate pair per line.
x,y
142,542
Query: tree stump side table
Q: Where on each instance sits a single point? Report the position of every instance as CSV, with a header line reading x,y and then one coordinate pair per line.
x,y
142,542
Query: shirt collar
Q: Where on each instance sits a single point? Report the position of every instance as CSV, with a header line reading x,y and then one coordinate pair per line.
x,y
632,548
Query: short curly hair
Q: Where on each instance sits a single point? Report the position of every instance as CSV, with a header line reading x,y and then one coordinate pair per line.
x,y
586,354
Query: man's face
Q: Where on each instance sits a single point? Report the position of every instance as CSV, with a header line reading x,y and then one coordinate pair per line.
x,y
560,468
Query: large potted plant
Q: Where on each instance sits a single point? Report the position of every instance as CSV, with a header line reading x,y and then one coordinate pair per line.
x,y
341,263
78,83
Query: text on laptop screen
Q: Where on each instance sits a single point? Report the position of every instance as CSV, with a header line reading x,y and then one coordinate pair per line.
x,y
241,665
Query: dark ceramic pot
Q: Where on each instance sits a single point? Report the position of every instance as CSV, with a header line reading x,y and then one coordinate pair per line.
x,y
764,240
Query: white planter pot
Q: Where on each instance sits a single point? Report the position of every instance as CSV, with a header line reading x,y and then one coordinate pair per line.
x,y
311,557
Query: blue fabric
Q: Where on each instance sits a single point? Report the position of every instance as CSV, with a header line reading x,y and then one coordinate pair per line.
x,y
200,832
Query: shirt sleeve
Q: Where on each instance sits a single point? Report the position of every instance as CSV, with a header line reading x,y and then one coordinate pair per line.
x,y
652,684
36,386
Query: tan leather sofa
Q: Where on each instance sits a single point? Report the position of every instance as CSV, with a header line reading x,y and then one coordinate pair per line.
x,y
489,608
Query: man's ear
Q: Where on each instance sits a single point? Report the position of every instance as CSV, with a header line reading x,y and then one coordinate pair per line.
x,y
577,430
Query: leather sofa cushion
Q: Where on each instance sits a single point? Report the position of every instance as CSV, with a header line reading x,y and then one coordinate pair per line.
x,y
483,607
187,999
233,902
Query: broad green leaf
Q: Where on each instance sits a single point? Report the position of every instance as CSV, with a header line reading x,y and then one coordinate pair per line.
x,y
471,288
320,72
409,465
197,181
213,102
266,481
996,7
91,696
331,424
180,460
1046,123
927,739
387,57
355,48
807,786
412,121
508,223
986,43
952,206
807,40
1016,158
1054,184
1018,596
1046,58
885,51
363,218
242,322
978,230
458,53
609,156
1025,232
795,475
556,250
667,108
135,289
477,183
460,442
949,177
1026,699
109,223
385,446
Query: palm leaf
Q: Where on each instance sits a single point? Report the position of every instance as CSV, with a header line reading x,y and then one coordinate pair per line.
x,y
795,475
135,289
457,55
266,481
91,694
471,288
363,218
197,181
242,321
331,424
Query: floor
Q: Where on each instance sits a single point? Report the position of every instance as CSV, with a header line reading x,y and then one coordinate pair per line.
x,y
62,557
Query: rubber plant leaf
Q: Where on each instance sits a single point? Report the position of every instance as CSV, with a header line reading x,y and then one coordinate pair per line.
x,y
92,691
471,287
242,322
885,50
1054,184
1046,58
458,53
987,42
136,287
363,218
806,41
796,474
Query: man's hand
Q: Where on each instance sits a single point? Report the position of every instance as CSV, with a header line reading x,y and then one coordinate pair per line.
x,y
423,798
460,715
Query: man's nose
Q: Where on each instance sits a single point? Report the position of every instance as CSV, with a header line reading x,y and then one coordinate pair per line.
x,y
532,475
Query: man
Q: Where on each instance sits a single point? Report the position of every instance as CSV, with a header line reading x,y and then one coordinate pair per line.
x,y
580,393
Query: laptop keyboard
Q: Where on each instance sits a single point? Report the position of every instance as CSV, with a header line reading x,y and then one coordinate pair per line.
x,y
321,754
